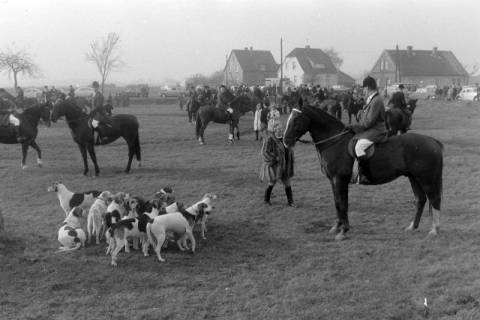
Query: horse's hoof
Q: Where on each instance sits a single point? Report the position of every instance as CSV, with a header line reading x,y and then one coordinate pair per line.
x,y
333,230
410,227
139,164
24,167
340,237
39,163
433,233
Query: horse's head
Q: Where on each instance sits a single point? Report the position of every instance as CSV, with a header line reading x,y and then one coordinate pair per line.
x,y
45,114
297,125
58,110
412,104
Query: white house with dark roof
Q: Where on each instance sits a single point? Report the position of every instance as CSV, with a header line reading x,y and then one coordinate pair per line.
x,y
309,66
249,67
421,67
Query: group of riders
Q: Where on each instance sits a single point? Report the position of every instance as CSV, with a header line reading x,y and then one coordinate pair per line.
x,y
11,108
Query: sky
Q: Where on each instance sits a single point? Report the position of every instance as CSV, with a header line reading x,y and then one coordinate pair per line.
x,y
174,39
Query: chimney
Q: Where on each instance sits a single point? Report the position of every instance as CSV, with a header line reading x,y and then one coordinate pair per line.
x,y
435,51
409,50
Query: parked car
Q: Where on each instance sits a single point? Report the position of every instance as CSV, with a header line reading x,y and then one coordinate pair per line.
x,y
85,92
468,93
410,88
32,93
171,93
428,92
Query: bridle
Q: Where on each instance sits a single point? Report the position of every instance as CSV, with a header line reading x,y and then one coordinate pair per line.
x,y
324,144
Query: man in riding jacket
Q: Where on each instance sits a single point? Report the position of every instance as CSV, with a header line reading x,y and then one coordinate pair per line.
x,y
371,128
97,107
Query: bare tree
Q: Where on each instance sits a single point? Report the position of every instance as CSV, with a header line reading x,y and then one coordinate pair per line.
x,y
335,56
472,70
104,54
17,62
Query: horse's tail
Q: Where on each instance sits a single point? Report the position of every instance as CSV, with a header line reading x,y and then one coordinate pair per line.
x,y
198,125
387,121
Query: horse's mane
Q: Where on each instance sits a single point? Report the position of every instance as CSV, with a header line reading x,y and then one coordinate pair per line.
x,y
323,116
226,95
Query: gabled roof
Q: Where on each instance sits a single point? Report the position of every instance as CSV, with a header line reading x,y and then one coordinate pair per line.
x,y
313,61
344,78
427,63
251,60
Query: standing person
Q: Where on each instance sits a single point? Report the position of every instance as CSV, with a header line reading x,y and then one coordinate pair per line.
x,y
371,128
264,120
71,92
273,117
277,164
46,94
20,95
257,123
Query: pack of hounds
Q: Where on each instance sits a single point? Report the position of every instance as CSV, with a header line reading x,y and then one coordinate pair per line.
x,y
122,218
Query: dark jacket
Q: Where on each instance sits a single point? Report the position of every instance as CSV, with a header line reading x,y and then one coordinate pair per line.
x,y
372,121
264,115
97,101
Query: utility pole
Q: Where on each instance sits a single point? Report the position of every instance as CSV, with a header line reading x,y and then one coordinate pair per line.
x,y
281,66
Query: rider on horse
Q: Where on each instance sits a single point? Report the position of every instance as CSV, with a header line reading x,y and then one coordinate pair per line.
x,y
97,107
223,101
371,128
398,101
9,114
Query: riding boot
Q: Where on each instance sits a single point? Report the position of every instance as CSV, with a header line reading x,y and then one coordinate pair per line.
x,y
268,193
20,138
256,135
289,193
362,179
354,178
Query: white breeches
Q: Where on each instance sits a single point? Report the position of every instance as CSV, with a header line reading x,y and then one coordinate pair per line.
x,y
13,120
95,123
361,146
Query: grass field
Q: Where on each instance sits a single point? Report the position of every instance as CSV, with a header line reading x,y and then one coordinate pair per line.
x,y
258,262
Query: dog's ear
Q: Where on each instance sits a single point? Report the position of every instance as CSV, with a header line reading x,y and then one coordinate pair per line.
x,y
77,212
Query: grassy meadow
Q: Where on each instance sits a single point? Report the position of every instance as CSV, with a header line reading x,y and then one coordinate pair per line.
x,y
258,262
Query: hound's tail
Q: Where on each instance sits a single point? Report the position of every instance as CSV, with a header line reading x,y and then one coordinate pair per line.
x,y
150,235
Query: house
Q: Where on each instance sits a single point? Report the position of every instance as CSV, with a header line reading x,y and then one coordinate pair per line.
x,y
345,80
309,66
421,67
249,67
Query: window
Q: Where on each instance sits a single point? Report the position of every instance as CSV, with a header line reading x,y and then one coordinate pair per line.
x,y
295,79
286,65
293,65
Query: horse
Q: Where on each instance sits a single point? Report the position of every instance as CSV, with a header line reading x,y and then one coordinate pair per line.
x,y
240,105
396,120
418,157
353,108
29,120
120,125
332,106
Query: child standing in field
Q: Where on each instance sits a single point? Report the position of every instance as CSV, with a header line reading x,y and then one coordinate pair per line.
x,y
277,164
257,124
273,118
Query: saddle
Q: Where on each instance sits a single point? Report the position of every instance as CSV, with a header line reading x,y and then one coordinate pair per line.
x,y
370,151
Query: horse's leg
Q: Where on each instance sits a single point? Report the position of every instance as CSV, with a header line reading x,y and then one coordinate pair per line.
x,y
24,154
238,131
340,194
131,153
138,153
434,193
420,199
35,146
93,156
83,151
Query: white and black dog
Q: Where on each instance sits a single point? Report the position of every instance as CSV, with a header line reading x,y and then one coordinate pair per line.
x,y
69,200
96,216
179,223
71,236
207,199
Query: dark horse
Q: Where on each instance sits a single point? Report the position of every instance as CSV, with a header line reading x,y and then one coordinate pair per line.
x,y
121,125
240,105
28,126
333,107
353,108
396,120
418,157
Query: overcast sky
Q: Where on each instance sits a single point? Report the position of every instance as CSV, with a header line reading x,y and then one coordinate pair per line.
x,y
175,39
